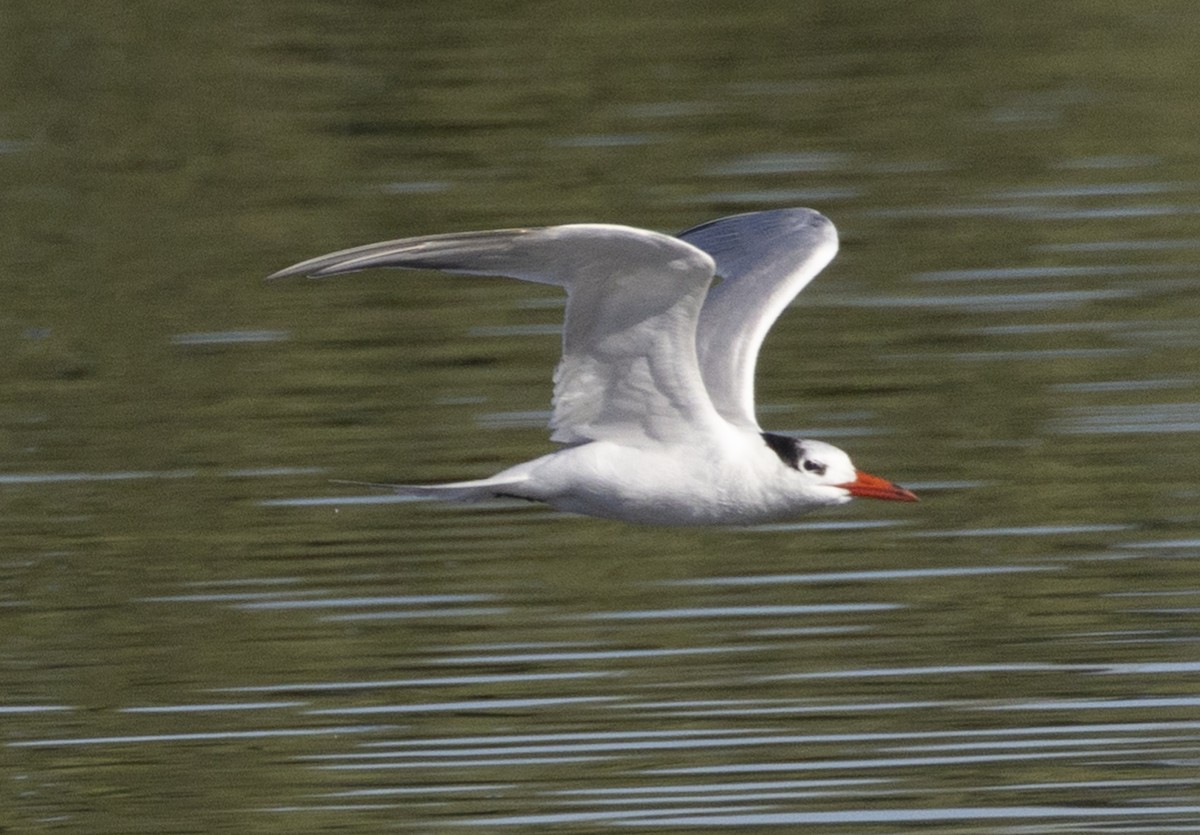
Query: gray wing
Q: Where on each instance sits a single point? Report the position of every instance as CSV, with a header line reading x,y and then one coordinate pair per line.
x,y
629,369
763,260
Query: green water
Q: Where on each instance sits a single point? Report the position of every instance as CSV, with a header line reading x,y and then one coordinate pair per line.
x,y
202,633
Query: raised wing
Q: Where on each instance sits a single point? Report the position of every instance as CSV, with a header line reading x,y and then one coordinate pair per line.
x,y
628,369
763,260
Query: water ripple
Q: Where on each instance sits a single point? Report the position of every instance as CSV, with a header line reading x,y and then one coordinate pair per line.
x,y
737,611
218,736
854,576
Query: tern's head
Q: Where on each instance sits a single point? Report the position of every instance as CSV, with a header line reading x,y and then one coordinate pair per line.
x,y
829,473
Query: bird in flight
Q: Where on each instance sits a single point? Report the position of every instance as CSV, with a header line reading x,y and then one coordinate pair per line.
x,y
654,394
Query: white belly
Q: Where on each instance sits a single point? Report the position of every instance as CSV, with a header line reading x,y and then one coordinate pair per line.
x,y
670,485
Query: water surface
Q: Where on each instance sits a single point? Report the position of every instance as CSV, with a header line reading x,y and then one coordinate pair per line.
x,y
204,632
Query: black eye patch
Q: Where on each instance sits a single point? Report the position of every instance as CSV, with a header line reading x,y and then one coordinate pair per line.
x,y
787,448
814,467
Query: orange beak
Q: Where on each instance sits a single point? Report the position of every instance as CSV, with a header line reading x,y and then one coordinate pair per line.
x,y
873,487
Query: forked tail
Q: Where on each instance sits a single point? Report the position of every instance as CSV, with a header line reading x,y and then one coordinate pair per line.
x,y
456,491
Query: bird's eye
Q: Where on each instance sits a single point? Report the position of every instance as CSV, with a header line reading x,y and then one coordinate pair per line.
x,y
814,467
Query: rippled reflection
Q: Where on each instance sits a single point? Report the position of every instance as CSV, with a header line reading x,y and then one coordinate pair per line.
x,y
203,632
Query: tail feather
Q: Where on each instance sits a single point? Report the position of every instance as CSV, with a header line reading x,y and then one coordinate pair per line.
x,y
455,491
